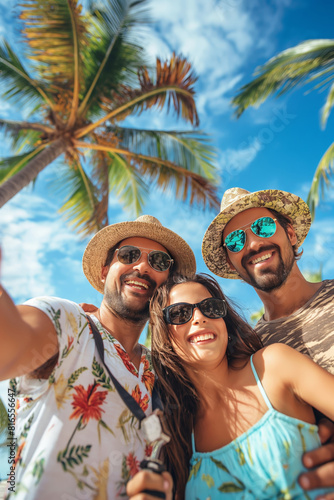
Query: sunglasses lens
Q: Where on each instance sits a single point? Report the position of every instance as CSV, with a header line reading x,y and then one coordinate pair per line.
x,y
128,254
264,227
213,308
159,261
178,314
235,241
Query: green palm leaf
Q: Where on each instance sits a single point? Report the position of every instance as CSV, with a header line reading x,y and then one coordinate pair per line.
x,y
80,208
192,150
127,184
310,61
14,164
321,179
113,57
19,85
92,67
55,32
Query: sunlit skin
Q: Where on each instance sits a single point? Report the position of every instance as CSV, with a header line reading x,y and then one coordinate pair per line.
x,y
186,337
128,289
268,265
231,396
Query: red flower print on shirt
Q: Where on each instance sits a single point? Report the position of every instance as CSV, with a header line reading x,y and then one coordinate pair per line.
x,y
126,360
132,464
148,450
143,402
148,376
87,403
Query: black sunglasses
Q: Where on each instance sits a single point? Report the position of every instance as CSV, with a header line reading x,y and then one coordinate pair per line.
x,y
157,259
182,312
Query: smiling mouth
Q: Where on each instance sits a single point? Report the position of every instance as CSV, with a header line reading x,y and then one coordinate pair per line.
x,y
201,337
137,284
261,259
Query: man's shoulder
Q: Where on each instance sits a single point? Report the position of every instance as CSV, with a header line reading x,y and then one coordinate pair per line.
x,y
44,301
55,306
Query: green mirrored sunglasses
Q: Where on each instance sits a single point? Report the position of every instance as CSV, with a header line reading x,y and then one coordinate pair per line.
x,y
265,227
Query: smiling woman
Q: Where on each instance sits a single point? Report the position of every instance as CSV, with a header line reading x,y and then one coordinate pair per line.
x,y
212,370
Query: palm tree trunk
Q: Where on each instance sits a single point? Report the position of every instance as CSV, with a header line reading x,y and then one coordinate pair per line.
x,y
20,180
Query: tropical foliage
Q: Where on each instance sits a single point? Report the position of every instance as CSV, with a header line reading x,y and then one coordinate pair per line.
x,y
310,62
81,75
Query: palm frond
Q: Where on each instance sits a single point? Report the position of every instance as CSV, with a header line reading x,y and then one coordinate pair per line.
x,y
187,186
321,179
191,149
12,126
113,55
19,85
12,165
328,106
127,184
82,198
310,60
173,86
52,30
314,276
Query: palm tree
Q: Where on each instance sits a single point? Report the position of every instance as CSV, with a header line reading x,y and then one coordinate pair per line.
x,y
87,74
309,62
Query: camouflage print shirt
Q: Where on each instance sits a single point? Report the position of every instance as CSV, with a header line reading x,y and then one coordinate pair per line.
x,y
310,329
76,439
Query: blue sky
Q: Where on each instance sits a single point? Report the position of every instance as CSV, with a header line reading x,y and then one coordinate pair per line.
x,y
275,146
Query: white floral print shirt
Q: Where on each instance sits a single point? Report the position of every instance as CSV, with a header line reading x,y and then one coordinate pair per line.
x,y
76,439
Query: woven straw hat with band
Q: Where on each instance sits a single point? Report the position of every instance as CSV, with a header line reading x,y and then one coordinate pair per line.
x,y
236,200
145,226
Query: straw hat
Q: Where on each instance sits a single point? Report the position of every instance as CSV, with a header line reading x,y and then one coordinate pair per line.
x,y
145,226
236,200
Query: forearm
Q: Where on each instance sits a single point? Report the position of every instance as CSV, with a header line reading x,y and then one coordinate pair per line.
x,y
27,336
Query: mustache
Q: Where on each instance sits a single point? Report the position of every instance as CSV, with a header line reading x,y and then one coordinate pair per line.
x,y
252,253
145,277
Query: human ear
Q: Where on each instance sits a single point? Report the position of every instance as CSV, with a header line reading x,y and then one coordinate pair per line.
x,y
231,266
291,235
104,272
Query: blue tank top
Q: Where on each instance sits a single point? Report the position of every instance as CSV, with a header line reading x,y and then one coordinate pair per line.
x,y
262,463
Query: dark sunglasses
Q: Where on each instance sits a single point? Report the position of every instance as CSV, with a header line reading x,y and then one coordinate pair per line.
x,y
157,259
182,312
265,227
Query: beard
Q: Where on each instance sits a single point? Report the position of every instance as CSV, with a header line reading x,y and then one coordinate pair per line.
x,y
269,279
123,308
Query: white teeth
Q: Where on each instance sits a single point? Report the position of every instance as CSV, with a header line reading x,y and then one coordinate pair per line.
x,y
260,259
203,336
137,283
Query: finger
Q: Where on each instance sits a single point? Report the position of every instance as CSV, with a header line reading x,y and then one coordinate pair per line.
x,y
148,480
322,477
326,430
319,456
90,308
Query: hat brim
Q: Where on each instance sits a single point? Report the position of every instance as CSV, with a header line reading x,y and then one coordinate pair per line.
x,y
288,204
96,251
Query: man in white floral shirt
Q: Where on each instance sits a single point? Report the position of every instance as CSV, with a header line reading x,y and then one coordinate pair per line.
x,y
75,437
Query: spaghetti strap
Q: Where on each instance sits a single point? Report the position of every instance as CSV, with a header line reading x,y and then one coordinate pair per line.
x,y
260,386
193,442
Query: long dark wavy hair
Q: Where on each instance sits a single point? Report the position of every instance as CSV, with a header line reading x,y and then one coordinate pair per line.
x,y
178,393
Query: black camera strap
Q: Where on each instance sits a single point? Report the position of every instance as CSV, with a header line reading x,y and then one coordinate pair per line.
x,y
130,402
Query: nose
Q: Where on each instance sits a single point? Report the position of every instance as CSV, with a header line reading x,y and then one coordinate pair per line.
x,y
198,316
142,264
253,242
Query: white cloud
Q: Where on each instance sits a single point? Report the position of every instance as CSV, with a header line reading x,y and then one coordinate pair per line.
x,y
32,231
233,161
